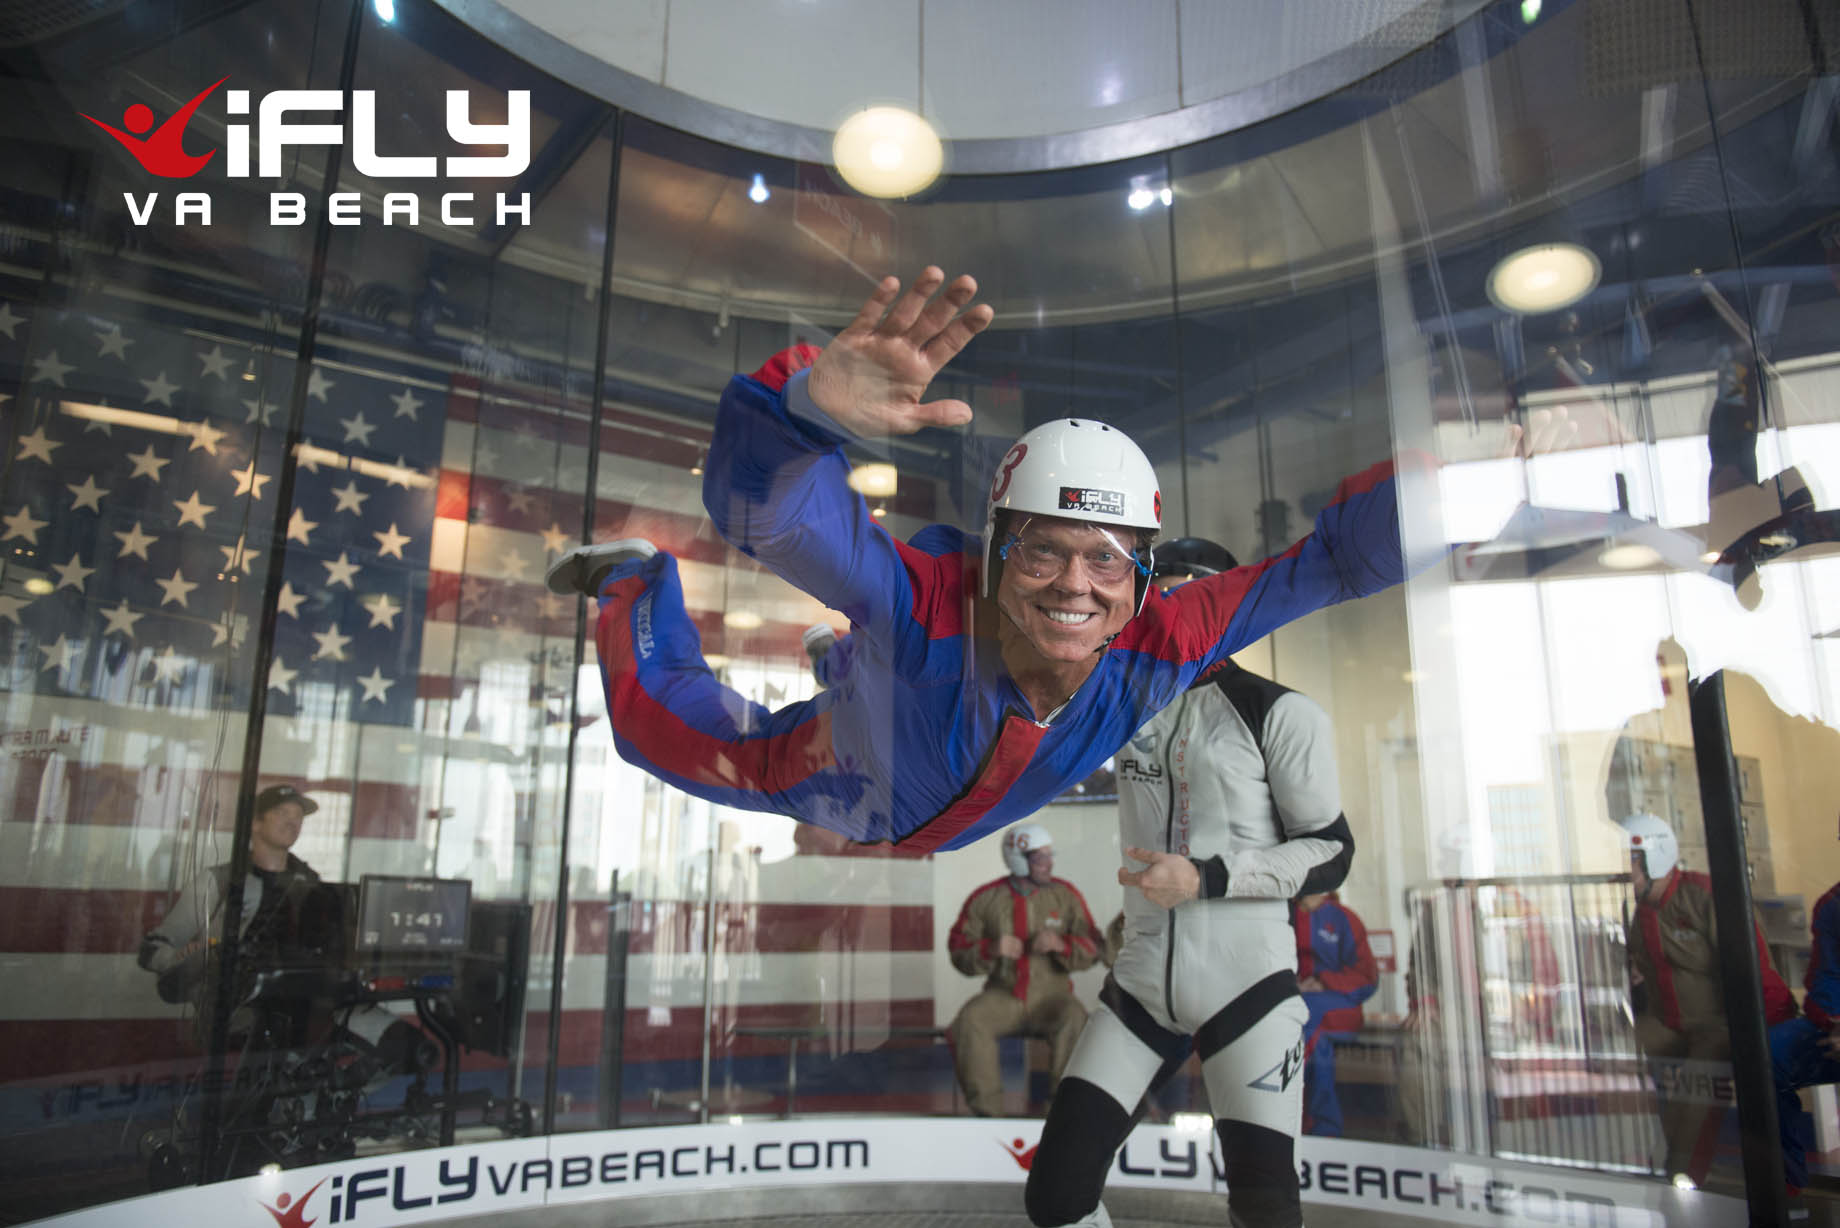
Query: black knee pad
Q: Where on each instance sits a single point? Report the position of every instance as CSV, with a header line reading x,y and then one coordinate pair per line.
x,y
1067,1177
1261,1170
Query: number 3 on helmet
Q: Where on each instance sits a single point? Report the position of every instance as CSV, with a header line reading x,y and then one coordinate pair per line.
x,y
1077,469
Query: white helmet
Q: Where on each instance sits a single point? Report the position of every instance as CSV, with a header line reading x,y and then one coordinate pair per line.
x,y
1651,836
1021,840
1077,469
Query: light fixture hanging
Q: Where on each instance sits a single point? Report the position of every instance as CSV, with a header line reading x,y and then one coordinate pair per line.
x,y
887,152
1543,278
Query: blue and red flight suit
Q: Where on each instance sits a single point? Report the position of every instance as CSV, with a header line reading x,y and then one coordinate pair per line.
x,y
1795,1044
1332,947
922,737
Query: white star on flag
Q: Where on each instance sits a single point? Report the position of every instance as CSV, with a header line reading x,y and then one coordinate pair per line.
x,y
340,571
159,390
121,619
288,602
215,363
135,542
73,574
248,481
280,677
176,589
192,511
299,526
331,644
357,430
9,321
237,557
112,342
10,607
383,611
350,498
205,436
519,501
58,655
50,369
37,444
87,495
318,385
375,685
555,541
169,666
260,409
407,403
513,564
22,524
146,464
389,545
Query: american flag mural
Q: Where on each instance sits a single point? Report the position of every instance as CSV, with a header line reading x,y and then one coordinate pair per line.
x,y
420,692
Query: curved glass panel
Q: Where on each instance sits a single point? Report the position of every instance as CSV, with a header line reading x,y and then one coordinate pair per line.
x,y
280,495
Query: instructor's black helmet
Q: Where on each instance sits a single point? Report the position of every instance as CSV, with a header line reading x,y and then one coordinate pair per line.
x,y
1192,556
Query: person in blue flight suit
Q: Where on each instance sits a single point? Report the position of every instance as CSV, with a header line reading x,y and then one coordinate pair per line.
x,y
1805,1050
984,676
1336,972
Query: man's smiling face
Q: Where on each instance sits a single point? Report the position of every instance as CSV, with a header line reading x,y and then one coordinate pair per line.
x,y
1061,589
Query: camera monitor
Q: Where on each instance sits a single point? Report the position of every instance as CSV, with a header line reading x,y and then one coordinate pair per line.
x,y
398,914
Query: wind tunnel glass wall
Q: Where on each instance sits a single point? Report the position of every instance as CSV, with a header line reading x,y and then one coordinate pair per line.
x,y
1267,314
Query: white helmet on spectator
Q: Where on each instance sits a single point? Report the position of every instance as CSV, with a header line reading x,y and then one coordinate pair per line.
x,y
1021,840
1651,836
1077,469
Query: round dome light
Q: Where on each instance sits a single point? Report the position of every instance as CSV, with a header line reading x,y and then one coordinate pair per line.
x,y
1543,278
887,152
877,480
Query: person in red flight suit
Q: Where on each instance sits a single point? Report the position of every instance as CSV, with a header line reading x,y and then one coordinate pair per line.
x,y
1679,995
1336,972
1025,933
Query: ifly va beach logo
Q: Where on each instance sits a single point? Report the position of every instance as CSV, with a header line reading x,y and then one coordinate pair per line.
x,y
291,1212
162,151
260,134
1019,1151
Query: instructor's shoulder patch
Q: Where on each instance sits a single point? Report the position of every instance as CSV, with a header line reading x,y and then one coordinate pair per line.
x,y
784,365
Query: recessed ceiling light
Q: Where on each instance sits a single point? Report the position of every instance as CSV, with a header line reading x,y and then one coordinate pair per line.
x,y
741,620
1544,278
887,152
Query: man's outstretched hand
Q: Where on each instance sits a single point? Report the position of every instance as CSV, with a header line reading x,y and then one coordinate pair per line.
x,y
870,378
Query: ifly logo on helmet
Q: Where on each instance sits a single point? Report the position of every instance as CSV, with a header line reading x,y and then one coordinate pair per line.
x,y
161,151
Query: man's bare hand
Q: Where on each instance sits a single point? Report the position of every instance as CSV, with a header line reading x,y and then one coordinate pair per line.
x,y
870,378
1586,424
1048,942
1168,880
1310,984
1009,947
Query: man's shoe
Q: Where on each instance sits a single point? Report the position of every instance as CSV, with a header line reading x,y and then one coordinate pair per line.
x,y
583,569
1096,1219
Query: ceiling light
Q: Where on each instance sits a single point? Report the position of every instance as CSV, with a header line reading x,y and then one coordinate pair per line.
x,y
1167,196
38,586
877,480
887,152
742,620
1140,199
1543,278
386,10
758,193
1629,557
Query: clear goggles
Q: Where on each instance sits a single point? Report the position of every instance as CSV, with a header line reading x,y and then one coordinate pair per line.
x,y
1041,554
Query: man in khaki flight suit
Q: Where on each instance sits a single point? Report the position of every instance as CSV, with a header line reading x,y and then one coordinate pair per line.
x,y
1025,932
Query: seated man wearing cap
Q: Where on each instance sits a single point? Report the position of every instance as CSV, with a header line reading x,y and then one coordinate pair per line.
x,y
289,919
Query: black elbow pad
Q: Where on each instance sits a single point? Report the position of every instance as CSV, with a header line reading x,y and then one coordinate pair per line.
x,y
1329,875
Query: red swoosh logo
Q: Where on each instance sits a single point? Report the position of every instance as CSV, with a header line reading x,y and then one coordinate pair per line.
x,y
162,152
